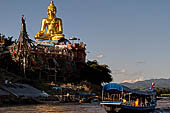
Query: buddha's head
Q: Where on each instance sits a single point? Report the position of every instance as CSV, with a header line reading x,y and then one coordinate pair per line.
x,y
51,10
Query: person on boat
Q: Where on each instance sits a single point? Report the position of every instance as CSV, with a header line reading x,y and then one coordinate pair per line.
x,y
124,100
6,81
137,102
146,102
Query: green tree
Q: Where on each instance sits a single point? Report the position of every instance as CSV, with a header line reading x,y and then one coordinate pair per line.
x,y
96,73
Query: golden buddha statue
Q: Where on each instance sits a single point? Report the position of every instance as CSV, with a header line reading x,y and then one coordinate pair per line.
x,y
52,24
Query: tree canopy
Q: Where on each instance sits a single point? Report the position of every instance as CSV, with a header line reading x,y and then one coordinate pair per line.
x,y
8,41
96,73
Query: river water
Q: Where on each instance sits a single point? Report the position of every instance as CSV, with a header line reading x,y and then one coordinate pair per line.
x,y
61,108
163,107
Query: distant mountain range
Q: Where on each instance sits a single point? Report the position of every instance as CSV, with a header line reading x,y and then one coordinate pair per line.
x,y
159,83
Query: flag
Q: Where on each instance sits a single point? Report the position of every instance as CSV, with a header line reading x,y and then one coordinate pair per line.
x,y
153,84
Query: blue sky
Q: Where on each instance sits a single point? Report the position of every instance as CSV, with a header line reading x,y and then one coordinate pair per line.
x,y
131,36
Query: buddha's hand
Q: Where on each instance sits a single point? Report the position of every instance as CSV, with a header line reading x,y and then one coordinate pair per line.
x,y
41,33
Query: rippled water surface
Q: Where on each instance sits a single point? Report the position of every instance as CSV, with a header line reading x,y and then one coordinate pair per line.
x,y
163,107
64,108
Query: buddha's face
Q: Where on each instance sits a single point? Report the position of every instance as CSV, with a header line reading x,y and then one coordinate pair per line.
x,y
51,12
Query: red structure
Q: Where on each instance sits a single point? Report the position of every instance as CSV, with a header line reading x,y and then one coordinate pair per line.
x,y
50,60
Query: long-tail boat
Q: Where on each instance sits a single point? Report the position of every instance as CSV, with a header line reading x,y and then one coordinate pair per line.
x,y
119,98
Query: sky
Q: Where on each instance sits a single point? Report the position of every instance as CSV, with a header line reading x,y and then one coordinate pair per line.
x,y
131,36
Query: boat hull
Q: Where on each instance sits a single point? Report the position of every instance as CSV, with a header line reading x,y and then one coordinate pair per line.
x,y
113,108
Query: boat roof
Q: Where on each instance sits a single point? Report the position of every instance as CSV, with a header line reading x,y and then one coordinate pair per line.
x,y
114,88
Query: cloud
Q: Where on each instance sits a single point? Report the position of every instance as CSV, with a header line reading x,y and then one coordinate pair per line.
x,y
123,70
140,62
100,56
133,81
119,71
138,73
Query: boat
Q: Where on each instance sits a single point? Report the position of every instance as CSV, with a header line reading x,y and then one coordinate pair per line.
x,y
119,98
50,100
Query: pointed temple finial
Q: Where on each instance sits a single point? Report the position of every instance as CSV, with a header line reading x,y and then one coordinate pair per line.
x,y
51,6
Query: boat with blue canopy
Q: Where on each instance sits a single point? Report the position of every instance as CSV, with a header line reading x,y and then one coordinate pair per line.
x,y
118,98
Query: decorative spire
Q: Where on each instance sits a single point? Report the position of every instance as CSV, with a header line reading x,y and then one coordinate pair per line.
x,y
51,6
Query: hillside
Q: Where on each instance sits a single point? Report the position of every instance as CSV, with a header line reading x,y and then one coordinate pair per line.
x,y
159,83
